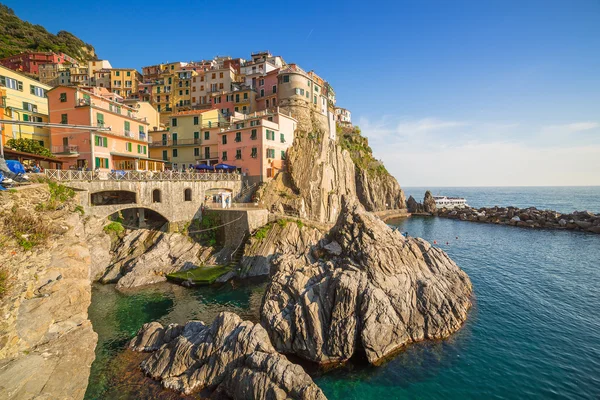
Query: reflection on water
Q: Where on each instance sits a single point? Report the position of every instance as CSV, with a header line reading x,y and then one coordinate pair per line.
x,y
117,317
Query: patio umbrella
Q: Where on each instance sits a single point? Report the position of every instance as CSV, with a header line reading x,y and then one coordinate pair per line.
x,y
204,166
225,167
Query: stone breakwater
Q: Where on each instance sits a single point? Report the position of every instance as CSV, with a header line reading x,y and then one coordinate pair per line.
x,y
531,217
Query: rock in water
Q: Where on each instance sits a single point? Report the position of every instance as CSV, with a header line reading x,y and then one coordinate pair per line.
x,y
429,203
230,356
382,292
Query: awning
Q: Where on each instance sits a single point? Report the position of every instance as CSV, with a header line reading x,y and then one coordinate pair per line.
x,y
225,167
204,166
21,155
125,155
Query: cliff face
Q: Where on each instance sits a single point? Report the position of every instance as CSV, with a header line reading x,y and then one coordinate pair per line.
x,y
321,171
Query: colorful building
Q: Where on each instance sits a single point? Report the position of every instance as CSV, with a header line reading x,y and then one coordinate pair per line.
x,y
191,139
267,91
29,62
343,116
257,143
24,99
124,82
122,142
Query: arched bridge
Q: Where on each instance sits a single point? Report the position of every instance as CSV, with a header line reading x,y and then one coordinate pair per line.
x,y
176,196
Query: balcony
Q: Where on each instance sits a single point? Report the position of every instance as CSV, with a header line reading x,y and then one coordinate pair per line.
x,y
128,134
2,102
65,150
177,142
83,102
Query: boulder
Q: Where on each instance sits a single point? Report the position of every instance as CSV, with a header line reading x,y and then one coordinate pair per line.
x,y
429,203
383,292
229,356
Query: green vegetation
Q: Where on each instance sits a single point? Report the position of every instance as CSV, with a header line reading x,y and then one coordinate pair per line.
x,y
282,222
80,210
29,146
358,146
200,275
114,227
208,236
12,190
261,232
3,282
17,36
59,194
25,228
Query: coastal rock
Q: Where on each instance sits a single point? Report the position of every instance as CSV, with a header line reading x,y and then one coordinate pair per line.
x,y
229,356
383,292
413,206
429,205
145,257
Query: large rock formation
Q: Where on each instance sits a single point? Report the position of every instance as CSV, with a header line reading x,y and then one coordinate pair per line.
x,y
144,257
46,340
373,290
429,203
230,357
320,171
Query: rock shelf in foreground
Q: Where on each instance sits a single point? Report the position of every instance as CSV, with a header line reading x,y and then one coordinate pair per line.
x,y
230,357
531,217
372,290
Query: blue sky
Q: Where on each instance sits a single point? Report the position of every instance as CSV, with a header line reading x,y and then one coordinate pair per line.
x,y
449,93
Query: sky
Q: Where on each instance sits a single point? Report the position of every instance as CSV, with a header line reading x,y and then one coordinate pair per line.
x,y
449,93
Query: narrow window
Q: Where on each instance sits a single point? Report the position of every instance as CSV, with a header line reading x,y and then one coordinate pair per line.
x,y
156,196
187,194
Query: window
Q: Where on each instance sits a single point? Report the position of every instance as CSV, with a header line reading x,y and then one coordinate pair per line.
x,y
267,103
207,152
145,149
254,153
239,125
282,137
37,91
126,127
187,194
195,120
220,85
118,73
206,135
224,139
11,83
308,82
165,155
128,146
283,154
238,136
63,97
245,95
262,92
139,149
173,121
101,162
128,73
238,154
196,136
187,91
270,134
156,196
253,134
101,141
274,89
181,92
261,82
64,119
100,119
270,153
196,152
224,157
286,78
141,131
315,99
174,152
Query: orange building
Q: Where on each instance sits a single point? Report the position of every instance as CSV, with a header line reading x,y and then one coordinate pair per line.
x,y
121,144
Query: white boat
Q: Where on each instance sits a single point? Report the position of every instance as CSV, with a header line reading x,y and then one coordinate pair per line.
x,y
450,202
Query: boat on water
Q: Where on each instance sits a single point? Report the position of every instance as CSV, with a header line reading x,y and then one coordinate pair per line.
x,y
450,202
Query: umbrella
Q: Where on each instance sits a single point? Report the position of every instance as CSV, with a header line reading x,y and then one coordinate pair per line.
x,y
204,166
225,167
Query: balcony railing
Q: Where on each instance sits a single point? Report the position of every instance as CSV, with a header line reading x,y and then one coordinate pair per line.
x,y
68,149
70,175
128,134
208,156
176,142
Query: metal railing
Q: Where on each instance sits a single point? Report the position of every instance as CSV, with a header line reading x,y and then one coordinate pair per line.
x,y
69,175
176,142
68,149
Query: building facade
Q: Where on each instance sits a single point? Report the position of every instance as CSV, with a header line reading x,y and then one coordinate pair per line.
x,y
122,142
29,62
343,116
23,99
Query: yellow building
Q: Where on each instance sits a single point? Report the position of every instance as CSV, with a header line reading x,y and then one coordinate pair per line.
x,y
190,138
125,81
23,99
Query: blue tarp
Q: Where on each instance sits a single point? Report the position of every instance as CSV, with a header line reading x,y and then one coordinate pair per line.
x,y
225,167
204,166
15,166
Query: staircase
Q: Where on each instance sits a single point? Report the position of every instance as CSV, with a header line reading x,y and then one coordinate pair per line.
x,y
242,196
238,253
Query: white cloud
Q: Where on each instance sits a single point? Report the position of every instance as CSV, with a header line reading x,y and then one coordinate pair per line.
x,y
435,152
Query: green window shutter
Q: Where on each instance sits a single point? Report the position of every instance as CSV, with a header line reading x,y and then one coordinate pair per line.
x,y
106,163
282,137
25,117
145,149
196,135
141,127
97,162
105,142
206,135
100,118
127,125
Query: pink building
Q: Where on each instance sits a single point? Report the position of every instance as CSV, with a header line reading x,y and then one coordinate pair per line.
x,y
257,143
121,145
267,91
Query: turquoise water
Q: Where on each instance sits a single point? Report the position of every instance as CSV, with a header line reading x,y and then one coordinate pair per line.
x,y
562,199
533,333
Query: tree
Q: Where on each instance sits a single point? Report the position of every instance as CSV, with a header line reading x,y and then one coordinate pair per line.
x,y
29,146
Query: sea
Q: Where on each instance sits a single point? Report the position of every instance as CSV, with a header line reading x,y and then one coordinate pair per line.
x,y
533,331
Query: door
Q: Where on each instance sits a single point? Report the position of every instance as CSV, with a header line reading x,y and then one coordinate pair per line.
x,y
164,139
174,139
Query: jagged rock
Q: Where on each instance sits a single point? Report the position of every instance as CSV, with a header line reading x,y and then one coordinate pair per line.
x,y
413,206
145,257
378,192
229,356
334,248
383,292
429,203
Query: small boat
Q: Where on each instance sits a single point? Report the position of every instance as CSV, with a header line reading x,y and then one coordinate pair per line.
x,y
450,202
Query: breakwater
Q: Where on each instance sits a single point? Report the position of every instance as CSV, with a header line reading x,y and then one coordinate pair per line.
x,y
526,217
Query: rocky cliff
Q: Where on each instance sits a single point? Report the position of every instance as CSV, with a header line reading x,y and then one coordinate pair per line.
x,y
46,340
230,357
372,290
320,171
